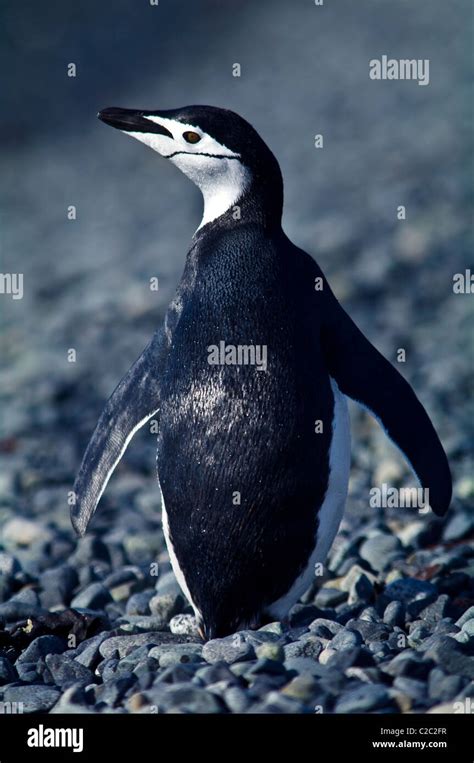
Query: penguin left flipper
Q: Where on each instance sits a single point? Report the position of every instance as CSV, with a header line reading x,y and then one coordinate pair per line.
x,y
133,402
364,375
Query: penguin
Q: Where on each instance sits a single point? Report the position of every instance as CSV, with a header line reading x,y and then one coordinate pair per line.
x,y
252,459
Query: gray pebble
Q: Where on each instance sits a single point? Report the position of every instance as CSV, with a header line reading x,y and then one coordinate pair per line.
x,y
229,649
330,597
236,699
394,614
380,551
8,673
124,644
468,615
33,698
165,606
173,654
411,687
40,647
408,590
443,687
94,596
184,625
363,700
138,603
451,657
191,699
346,639
459,526
67,672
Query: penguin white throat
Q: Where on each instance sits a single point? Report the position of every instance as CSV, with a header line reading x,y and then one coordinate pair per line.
x,y
222,181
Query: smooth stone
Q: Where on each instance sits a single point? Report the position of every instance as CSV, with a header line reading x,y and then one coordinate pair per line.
x,y
302,688
66,672
138,603
90,548
8,674
413,688
27,671
458,527
20,531
58,585
361,590
275,627
326,655
436,611
468,615
380,550
173,654
72,701
34,698
325,628
443,687
370,614
353,576
270,652
211,674
87,653
167,585
394,614
346,639
94,596
189,699
451,657
165,606
347,658
305,666
124,644
364,699
9,564
408,590
302,614
236,699
307,646
275,702
410,664
184,625
370,631
328,598
40,647
229,649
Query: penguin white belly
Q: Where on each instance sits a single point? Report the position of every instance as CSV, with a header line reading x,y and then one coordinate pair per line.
x,y
332,509
178,573
330,512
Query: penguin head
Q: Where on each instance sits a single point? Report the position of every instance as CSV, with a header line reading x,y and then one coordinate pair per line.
x,y
216,148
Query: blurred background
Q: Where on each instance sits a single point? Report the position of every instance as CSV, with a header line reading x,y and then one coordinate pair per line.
x,y
304,71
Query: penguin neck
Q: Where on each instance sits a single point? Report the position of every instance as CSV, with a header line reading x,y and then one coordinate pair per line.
x,y
250,198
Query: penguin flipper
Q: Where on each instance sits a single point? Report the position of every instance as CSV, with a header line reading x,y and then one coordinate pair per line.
x,y
364,375
133,402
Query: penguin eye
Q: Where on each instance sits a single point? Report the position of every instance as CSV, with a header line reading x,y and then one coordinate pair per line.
x,y
191,137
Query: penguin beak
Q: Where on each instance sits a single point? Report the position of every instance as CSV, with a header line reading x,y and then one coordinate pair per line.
x,y
130,120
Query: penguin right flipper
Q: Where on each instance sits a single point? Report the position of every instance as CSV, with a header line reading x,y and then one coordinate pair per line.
x,y
133,402
364,375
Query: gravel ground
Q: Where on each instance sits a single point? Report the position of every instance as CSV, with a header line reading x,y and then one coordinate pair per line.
x,y
99,624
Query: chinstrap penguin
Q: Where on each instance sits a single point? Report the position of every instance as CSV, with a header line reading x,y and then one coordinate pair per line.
x,y
253,464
